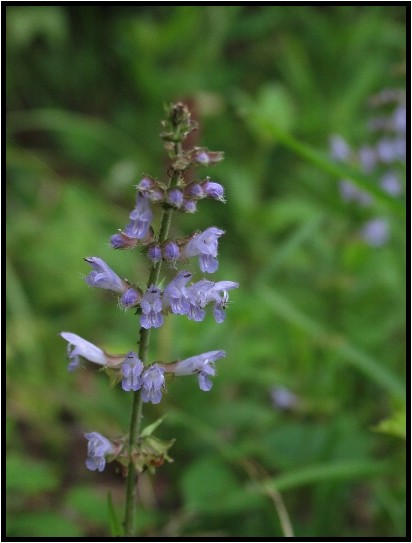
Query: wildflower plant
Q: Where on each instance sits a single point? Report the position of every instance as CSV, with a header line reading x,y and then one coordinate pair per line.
x,y
157,300
384,156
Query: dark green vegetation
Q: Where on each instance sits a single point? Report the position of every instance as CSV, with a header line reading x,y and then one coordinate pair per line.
x,y
318,311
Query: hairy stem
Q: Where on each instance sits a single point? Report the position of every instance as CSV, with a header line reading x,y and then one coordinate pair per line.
x,y
144,337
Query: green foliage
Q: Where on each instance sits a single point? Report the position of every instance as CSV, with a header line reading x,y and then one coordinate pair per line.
x,y
317,311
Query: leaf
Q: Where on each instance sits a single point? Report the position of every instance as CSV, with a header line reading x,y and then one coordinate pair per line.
x,y
116,529
148,431
394,425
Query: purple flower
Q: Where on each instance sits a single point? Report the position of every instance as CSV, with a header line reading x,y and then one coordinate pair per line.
x,y
141,218
121,241
149,188
171,251
207,157
376,232
130,298
195,190
391,183
368,158
132,368
205,245
175,197
202,364
103,276
339,149
152,382
77,346
219,294
97,450
197,299
151,305
189,206
154,253
175,295
214,190
351,193
282,398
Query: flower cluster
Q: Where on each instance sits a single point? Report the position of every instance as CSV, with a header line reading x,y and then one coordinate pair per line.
x,y
181,295
385,157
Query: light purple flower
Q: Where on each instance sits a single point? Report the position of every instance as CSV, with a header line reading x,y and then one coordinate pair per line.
x,y
202,364
214,190
132,368
130,298
171,251
195,190
149,188
283,399
151,305
103,276
376,232
202,157
175,295
175,197
152,382
121,241
339,148
196,294
368,158
154,252
77,346
391,183
189,206
219,294
205,245
97,450
141,218
351,193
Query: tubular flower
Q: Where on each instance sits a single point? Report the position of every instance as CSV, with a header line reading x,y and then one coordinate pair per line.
x,y
152,383
205,245
175,295
141,218
97,450
201,364
132,368
77,346
103,276
151,305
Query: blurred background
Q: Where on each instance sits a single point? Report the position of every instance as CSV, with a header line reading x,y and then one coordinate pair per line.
x,y
307,411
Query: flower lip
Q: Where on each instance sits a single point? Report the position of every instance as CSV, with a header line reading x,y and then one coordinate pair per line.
x,y
103,276
83,348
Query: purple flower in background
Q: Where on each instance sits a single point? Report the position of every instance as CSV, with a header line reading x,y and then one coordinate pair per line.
x,y
202,364
391,183
175,295
141,218
283,399
339,148
351,193
97,450
375,232
77,346
151,305
152,382
103,276
368,158
205,245
132,368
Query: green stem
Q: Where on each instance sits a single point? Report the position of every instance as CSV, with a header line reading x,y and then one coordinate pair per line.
x,y
144,337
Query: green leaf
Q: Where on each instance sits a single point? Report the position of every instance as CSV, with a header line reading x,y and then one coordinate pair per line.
x,y
148,431
394,425
116,529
